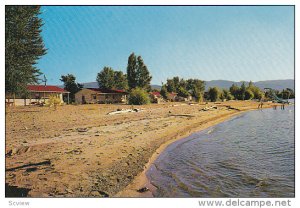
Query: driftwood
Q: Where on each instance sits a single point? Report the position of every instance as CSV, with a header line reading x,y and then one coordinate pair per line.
x,y
208,108
82,129
182,115
120,111
32,165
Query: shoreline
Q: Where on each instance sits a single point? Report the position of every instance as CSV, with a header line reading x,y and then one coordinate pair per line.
x,y
141,179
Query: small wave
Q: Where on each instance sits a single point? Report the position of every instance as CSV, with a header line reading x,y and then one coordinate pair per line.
x,y
210,131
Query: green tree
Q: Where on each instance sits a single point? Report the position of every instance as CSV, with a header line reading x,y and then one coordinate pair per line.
x,y
143,77
291,93
182,92
164,91
138,96
214,94
242,91
70,85
257,93
183,83
196,88
176,82
250,84
23,47
249,94
131,71
120,81
286,94
138,74
170,85
105,78
227,95
234,90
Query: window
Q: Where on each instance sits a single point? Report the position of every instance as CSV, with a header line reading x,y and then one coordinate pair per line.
x,y
94,97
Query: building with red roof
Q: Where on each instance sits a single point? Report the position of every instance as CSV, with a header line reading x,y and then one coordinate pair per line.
x,y
97,95
40,93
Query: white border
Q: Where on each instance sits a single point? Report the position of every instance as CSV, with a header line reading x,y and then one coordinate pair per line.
x,y
124,202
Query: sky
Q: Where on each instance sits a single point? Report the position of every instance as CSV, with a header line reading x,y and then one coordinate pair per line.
x,y
237,43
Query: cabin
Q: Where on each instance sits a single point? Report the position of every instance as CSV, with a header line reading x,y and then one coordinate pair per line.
x,y
38,94
183,99
101,96
172,96
156,97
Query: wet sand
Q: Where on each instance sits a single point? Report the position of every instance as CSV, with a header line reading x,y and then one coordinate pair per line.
x,y
81,151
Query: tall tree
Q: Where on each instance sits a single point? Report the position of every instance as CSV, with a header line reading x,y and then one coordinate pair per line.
x,y
170,85
105,78
138,74
243,91
131,71
143,77
23,47
70,85
164,91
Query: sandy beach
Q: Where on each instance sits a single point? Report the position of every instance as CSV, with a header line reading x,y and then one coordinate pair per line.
x,y
82,151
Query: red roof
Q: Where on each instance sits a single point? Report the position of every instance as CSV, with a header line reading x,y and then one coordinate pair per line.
x,y
43,88
107,90
173,93
156,93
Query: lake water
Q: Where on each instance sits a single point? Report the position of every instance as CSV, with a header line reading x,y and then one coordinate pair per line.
x,y
251,155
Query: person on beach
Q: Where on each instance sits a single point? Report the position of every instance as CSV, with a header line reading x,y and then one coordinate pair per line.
x,y
261,104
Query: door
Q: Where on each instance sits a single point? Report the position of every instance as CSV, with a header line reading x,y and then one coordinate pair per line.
x,y
83,99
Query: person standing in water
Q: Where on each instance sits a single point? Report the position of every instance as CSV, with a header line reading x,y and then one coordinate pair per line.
x,y
261,104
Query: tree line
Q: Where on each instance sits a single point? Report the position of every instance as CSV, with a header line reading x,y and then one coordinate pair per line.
x,y
138,76
184,88
235,93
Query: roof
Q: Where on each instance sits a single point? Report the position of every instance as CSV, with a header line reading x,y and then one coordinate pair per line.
x,y
47,88
172,93
107,90
156,93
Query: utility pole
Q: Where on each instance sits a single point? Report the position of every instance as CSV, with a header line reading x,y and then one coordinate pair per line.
x,y
45,83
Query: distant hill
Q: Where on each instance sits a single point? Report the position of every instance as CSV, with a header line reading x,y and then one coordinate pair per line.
x,y
90,85
274,84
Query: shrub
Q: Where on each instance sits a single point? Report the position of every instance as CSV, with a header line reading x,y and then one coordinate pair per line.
x,y
138,97
53,101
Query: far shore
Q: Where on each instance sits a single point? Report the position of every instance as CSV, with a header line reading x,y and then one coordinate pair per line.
x,y
82,151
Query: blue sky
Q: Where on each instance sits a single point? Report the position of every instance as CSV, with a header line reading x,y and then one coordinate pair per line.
x,y
232,43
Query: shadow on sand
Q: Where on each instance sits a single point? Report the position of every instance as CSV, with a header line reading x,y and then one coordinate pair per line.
x,y
14,191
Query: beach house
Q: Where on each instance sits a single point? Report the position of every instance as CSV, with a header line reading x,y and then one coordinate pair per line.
x,y
38,94
96,95
156,97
